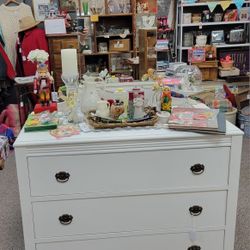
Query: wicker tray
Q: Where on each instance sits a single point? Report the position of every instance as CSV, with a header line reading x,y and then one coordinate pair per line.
x,y
101,125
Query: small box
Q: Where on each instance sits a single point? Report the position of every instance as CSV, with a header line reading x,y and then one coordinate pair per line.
x,y
187,17
122,45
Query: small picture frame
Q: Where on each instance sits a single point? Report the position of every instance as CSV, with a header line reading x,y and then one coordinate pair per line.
x,y
217,36
69,5
41,8
44,9
197,55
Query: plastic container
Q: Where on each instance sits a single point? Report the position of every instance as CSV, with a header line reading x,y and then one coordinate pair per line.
x,y
231,116
244,120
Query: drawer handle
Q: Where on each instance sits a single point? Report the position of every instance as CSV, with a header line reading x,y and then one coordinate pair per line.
x,y
62,176
65,219
195,210
194,248
70,46
197,169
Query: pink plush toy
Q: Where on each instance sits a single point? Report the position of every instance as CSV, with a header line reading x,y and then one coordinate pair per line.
x,y
10,118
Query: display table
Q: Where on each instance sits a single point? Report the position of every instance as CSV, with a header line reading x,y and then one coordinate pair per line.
x,y
131,189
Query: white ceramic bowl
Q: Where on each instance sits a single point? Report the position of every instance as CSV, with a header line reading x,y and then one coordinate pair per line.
x,y
163,117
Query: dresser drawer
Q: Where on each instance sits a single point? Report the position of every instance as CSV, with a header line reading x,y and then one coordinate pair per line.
x,y
65,43
128,172
57,61
128,214
205,240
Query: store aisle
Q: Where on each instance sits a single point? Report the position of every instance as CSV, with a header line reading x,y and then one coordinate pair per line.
x,y
11,234
243,214
11,237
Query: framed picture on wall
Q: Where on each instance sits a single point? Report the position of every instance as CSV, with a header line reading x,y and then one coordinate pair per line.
x,y
69,5
43,8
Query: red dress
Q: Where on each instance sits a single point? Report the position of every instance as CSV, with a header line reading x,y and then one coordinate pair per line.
x,y
10,72
33,39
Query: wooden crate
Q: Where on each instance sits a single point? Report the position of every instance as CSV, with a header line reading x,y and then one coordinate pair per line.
x,y
209,70
121,45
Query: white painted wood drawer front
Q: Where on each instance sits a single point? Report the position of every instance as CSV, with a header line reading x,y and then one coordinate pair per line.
x,y
205,240
128,171
129,214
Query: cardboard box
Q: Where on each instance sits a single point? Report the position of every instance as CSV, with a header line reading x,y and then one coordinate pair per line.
x,y
121,45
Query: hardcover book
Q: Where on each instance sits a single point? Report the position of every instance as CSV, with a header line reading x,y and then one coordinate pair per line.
x,y
198,120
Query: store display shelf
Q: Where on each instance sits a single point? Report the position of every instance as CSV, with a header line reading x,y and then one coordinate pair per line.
x,y
200,4
108,36
162,50
232,45
118,71
213,23
107,53
116,15
222,46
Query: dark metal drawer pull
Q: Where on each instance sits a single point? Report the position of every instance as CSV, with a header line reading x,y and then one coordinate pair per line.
x,y
62,176
195,210
194,248
197,169
65,219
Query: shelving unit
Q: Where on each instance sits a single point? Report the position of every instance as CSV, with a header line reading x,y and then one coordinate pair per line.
x,y
147,51
103,33
206,27
212,23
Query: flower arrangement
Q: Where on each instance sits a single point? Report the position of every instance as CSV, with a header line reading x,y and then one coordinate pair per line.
x,y
39,56
227,62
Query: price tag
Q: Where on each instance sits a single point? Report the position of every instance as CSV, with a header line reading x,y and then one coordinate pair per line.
x,y
248,97
94,18
24,58
54,96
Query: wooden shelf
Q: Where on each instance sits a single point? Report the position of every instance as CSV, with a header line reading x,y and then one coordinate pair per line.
x,y
107,53
161,50
116,15
108,36
120,71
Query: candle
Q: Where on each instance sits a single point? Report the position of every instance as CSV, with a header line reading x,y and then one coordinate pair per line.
x,y
69,62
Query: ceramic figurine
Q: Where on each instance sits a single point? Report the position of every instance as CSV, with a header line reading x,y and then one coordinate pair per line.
x,y
138,107
116,109
166,99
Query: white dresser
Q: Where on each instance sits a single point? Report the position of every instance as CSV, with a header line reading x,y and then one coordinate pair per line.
x,y
137,189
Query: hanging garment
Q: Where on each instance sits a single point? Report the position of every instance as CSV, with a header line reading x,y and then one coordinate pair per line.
x,y
2,37
6,68
3,69
33,39
9,21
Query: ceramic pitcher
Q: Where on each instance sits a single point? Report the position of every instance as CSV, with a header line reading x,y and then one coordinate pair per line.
x,y
89,97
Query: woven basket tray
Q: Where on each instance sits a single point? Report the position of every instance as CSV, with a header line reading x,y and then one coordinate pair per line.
x,y
101,125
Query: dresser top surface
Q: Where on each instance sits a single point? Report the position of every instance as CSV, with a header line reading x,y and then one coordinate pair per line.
x,y
106,136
